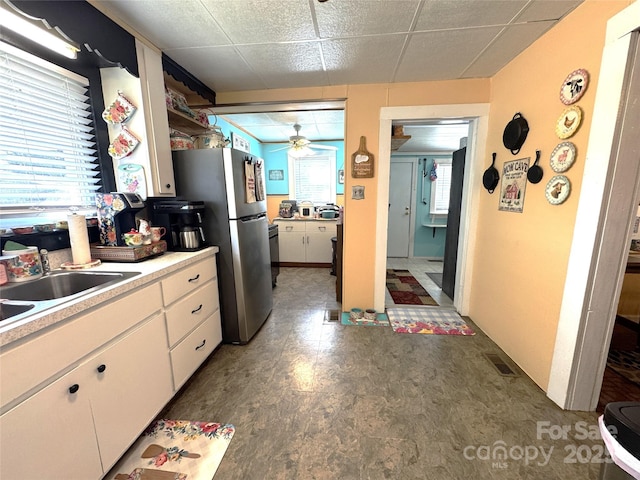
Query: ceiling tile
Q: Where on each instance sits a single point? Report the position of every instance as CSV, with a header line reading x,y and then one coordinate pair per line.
x,y
446,14
440,56
364,17
362,59
260,21
507,46
286,65
169,24
547,10
218,67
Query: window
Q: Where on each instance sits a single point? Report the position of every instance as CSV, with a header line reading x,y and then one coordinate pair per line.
x,y
440,188
313,178
48,158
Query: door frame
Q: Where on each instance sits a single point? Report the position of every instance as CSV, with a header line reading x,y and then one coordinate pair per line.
x,y
603,221
478,116
412,160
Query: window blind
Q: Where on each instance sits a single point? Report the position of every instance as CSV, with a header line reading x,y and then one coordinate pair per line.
x,y
48,157
313,178
440,190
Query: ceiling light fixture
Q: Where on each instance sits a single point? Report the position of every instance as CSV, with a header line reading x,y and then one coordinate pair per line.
x,y
33,29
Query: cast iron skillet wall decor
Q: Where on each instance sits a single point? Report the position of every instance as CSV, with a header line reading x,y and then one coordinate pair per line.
x,y
534,175
491,176
515,133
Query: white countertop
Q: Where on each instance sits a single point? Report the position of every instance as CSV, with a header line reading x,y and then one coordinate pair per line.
x,y
305,219
150,270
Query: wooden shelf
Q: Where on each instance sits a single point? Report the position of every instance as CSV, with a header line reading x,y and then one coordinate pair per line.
x,y
185,123
398,141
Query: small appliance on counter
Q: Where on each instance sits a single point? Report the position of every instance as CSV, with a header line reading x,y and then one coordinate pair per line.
x,y
287,209
328,211
183,221
117,216
306,209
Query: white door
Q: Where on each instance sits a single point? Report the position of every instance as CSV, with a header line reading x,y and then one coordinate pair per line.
x,y
400,193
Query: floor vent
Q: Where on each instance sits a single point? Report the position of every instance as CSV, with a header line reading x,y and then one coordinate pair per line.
x,y
501,365
331,316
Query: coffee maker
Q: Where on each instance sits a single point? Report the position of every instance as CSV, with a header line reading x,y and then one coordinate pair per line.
x,y
183,221
117,215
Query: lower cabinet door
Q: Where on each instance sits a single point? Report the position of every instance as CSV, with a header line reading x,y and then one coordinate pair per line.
x,y
189,354
319,246
50,435
131,383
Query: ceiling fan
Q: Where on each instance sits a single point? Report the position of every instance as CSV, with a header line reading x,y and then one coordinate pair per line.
x,y
300,146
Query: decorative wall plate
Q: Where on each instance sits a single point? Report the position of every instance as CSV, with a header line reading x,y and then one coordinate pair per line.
x,y
557,189
563,157
569,122
574,86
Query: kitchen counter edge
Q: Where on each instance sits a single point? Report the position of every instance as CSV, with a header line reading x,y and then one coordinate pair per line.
x,y
150,270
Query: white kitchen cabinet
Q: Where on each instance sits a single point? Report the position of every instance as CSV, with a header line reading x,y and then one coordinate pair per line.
x,y
306,241
194,325
79,425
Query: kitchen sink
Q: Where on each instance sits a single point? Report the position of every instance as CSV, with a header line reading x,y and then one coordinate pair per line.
x,y
62,284
21,300
10,310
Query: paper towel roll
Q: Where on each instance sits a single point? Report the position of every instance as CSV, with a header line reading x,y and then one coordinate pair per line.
x,y
79,238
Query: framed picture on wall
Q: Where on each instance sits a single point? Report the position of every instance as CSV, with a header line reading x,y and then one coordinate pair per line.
x,y
276,174
341,176
240,143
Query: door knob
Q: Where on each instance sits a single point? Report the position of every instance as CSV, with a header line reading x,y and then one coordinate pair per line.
x,y
406,210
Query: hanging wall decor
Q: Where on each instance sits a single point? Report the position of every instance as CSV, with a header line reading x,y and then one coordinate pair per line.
x,y
568,122
574,86
362,161
563,157
120,110
557,189
514,182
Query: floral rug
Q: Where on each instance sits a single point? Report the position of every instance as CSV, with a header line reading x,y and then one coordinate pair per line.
x,y
175,450
626,363
381,320
406,290
430,321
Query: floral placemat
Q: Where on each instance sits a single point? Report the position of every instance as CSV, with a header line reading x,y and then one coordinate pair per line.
x,y
175,450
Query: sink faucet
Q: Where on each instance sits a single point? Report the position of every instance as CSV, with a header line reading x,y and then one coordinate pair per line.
x,y
44,257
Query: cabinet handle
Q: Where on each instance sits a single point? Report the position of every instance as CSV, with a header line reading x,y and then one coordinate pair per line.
x,y
194,279
197,309
322,229
101,368
74,388
202,344
307,239
288,228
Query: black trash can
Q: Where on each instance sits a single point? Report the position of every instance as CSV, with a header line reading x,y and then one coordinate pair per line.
x,y
620,430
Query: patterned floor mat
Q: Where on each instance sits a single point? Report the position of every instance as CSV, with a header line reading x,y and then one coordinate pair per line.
x,y
430,321
406,290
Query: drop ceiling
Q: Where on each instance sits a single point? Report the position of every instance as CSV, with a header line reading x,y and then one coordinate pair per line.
x,y
233,45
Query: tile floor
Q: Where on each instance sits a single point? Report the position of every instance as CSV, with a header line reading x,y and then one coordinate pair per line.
x,y
312,400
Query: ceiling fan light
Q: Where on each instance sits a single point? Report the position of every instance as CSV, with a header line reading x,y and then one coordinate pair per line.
x,y
300,152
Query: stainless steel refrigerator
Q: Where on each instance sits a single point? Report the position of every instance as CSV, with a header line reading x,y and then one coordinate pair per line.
x,y
218,176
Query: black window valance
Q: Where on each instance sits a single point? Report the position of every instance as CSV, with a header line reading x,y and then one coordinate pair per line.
x,y
89,28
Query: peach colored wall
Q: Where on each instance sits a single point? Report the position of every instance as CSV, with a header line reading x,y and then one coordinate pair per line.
x,y
362,118
521,258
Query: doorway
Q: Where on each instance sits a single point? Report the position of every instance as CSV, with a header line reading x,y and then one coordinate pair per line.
x,y
477,116
401,201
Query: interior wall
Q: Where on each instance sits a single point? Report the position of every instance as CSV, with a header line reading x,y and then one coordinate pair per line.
x,y
520,263
362,118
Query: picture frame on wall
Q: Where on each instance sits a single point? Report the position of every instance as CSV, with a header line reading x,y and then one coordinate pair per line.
x,y
240,143
341,176
276,175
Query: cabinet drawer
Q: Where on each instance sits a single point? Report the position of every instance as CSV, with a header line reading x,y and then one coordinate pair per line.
x,y
188,312
189,354
327,228
57,349
292,226
181,283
